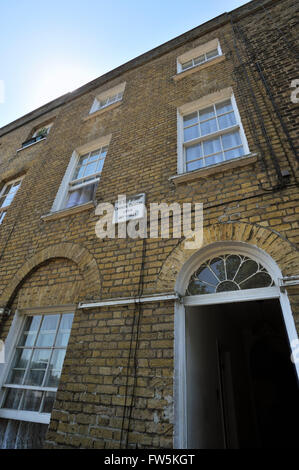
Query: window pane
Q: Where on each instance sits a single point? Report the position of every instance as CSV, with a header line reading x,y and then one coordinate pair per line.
x,y
186,65
208,127
90,169
206,113
206,275
232,265
47,332
193,152
83,160
48,402
22,357
2,215
64,330
7,200
238,152
30,332
79,172
191,133
190,119
227,120
100,165
211,54
38,367
211,146
217,265
55,368
199,60
218,158
248,268
82,195
195,165
197,287
31,400
258,280
224,107
13,398
230,140
94,155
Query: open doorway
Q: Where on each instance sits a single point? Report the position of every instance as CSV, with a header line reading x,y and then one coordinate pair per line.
x,y
241,386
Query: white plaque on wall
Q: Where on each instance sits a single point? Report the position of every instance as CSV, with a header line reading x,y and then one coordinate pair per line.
x,y
131,208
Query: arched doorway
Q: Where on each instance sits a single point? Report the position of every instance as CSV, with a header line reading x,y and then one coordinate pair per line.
x,y
235,383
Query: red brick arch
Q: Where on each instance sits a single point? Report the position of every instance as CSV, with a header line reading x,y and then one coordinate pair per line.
x,y
86,263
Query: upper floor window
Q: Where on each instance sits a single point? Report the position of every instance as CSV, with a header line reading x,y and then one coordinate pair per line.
x,y
108,98
212,133
82,175
39,134
86,177
7,195
43,131
199,55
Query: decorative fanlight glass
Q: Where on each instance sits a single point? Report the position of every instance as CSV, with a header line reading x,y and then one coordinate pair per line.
x,y
227,273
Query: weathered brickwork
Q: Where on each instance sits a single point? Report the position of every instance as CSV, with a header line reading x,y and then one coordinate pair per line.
x,y
119,367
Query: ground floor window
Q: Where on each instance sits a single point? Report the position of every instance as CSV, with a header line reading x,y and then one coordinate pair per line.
x,y
21,434
31,382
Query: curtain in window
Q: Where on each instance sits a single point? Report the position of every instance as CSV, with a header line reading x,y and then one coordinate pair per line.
x,y
81,196
21,434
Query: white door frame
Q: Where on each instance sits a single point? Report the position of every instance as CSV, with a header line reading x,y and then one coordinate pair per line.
x,y
211,251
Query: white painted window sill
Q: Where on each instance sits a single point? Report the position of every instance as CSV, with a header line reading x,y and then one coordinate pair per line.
x,y
30,145
69,211
213,169
103,110
198,68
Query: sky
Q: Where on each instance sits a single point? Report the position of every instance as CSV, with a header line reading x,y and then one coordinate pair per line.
x,y
49,49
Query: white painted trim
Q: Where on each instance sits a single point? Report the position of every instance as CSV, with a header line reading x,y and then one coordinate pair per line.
x,y
130,300
30,145
31,416
207,100
233,296
180,379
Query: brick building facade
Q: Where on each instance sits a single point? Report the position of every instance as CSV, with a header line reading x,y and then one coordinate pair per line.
x,y
164,346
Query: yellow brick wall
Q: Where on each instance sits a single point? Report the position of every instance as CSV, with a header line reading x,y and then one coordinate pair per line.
x,y
64,261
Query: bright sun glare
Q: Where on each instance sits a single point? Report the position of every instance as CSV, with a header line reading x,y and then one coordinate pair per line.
x,y
52,82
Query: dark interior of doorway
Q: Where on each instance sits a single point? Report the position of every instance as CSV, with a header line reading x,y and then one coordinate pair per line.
x,y
242,388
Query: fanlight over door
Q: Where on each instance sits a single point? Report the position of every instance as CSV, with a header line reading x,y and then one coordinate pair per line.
x,y
228,272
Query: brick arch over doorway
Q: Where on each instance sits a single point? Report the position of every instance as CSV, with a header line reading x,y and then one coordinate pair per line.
x,y
79,255
284,253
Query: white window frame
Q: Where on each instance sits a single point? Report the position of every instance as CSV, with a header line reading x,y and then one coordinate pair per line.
x,y
63,191
206,101
108,98
11,343
4,209
192,54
